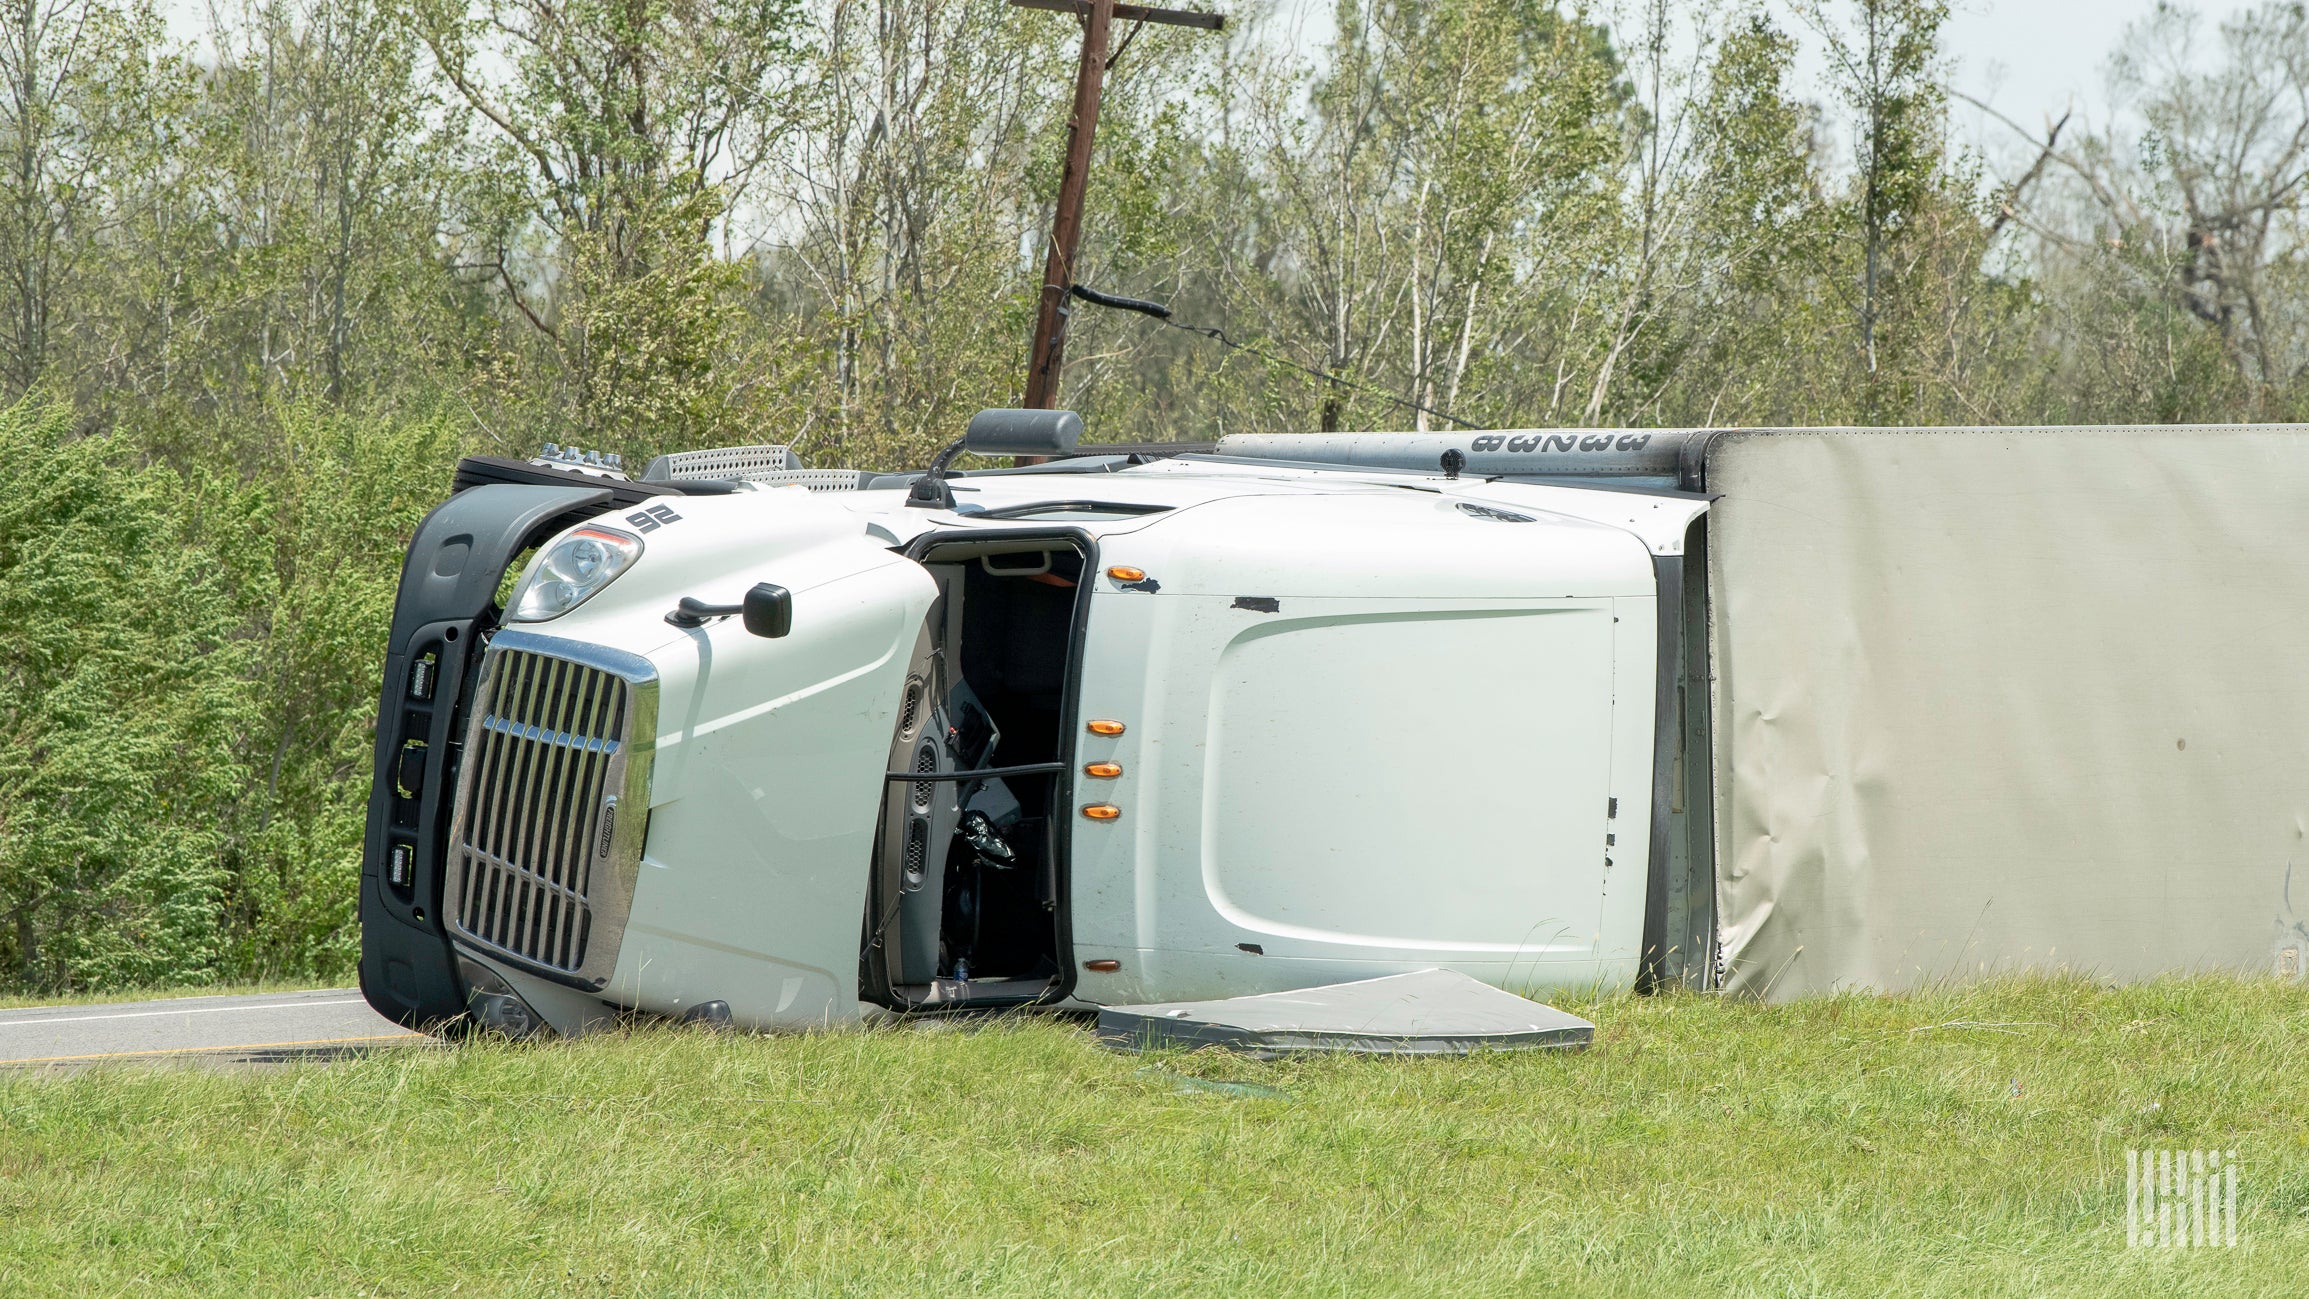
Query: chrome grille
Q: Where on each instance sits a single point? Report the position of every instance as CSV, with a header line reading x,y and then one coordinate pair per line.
x,y
541,864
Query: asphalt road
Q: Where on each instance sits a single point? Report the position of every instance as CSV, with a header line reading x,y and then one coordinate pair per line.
x,y
273,1028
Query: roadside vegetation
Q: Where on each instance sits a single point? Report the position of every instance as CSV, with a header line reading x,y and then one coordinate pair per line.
x,y
267,271
1956,1142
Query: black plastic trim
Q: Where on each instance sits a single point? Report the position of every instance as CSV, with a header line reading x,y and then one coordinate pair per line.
x,y
1697,695
1584,482
1140,450
487,471
1683,768
1071,507
1692,459
983,773
1666,735
471,946
446,607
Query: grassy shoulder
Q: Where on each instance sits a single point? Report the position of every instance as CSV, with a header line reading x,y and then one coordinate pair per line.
x,y
1958,1142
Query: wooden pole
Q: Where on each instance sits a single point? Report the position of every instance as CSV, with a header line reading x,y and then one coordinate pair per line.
x,y
1049,348
1046,354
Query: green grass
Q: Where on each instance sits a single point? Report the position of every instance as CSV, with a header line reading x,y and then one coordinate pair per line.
x,y
1713,1147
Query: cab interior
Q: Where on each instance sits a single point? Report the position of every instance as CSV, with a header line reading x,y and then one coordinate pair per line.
x,y
967,904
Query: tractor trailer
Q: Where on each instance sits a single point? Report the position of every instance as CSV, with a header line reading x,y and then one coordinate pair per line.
x,y
739,741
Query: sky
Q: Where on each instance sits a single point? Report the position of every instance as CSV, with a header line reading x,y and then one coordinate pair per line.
x,y
2032,58
2028,56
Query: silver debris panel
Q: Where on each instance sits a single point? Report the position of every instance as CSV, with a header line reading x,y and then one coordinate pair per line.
x,y
1431,1012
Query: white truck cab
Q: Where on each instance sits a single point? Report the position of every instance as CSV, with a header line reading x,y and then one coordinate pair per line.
x,y
1117,728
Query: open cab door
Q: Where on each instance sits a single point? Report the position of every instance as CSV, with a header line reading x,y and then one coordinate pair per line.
x,y
968,901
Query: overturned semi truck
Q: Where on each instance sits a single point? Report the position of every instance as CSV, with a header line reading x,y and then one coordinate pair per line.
x,y
1775,711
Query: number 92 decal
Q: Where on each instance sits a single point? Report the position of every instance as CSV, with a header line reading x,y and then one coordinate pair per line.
x,y
653,518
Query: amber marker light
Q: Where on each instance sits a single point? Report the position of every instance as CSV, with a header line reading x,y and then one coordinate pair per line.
x,y
1105,728
1102,811
1103,770
1125,573
1102,967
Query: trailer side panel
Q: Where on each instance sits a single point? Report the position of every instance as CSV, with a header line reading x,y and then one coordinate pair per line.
x,y
2016,698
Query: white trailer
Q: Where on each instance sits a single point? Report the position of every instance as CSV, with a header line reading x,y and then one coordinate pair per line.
x,y
796,746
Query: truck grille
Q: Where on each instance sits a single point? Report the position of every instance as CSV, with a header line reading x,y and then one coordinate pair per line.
x,y
541,866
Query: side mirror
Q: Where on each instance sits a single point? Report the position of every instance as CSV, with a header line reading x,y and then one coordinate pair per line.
x,y
769,610
1000,432
1022,433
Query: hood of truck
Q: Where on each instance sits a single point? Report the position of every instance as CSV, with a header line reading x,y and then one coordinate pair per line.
x,y
745,881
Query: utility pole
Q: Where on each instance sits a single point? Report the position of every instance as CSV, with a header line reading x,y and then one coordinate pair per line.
x,y
1047,352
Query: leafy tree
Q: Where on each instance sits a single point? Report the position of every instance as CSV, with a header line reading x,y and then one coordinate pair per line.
x,y
301,256
2172,250
121,707
619,134
897,241
310,551
1884,71
82,83
1737,347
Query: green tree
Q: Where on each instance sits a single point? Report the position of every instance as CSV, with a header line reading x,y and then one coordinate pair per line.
x,y
1736,345
619,135
1885,70
1420,212
82,85
121,708
311,550
2170,242
897,243
300,256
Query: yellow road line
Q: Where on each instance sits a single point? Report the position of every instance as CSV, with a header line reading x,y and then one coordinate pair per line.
x,y
211,1050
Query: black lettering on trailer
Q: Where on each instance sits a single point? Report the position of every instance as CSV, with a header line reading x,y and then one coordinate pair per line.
x,y
1526,443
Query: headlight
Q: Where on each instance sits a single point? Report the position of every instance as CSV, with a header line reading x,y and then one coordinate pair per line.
x,y
570,571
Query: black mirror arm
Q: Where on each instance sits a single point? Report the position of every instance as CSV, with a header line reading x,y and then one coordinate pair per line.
x,y
930,491
693,612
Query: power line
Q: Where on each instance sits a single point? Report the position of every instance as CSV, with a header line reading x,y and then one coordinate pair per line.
x,y
1159,312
